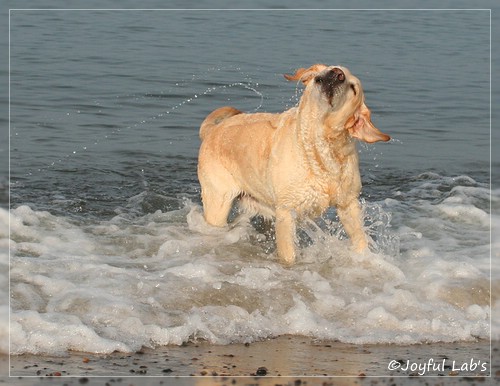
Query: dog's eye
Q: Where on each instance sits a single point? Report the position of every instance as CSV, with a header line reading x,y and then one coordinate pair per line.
x,y
353,88
318,79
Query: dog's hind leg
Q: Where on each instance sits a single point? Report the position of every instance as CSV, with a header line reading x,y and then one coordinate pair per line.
x,y
216,206
218,191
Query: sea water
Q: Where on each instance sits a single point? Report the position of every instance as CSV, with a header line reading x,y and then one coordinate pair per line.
x,y
105,248
167,277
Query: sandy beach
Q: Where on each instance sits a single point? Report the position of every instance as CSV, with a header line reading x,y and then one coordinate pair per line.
x,y
288,360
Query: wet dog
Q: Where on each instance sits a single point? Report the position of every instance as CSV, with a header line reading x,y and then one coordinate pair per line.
x,y
293,164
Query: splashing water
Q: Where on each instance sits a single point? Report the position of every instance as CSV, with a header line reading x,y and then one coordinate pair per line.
x,y
167,277
64,158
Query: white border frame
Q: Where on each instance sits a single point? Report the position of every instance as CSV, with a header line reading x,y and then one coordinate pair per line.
x,y
267,10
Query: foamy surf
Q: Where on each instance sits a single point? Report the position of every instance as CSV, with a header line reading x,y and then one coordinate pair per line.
x,y
143,280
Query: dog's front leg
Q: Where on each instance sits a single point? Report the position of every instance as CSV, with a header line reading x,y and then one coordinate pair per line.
x,y
285,236
351,218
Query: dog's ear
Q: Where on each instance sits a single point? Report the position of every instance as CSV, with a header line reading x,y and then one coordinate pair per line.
x,y
362,128
306,74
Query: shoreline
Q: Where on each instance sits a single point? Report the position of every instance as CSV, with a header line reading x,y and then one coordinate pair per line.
x,y
279,358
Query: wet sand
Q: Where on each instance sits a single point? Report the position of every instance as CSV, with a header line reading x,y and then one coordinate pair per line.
x,y
283,361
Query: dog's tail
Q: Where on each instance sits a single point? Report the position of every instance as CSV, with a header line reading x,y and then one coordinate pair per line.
x,y
216,117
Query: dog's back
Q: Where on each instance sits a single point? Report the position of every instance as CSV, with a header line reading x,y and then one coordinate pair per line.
x,y
216,117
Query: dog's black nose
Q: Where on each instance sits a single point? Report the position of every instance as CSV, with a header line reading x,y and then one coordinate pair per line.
x,y
339,74
332,77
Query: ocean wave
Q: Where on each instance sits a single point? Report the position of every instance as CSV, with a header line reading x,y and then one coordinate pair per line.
x,y
166,277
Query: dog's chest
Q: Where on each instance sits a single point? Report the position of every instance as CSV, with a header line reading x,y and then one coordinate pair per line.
x,y
312,197
314,194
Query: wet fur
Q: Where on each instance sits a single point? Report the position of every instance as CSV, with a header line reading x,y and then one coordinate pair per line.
x,y
290,165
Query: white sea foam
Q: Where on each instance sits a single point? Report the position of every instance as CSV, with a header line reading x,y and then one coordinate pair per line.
x,y
168,278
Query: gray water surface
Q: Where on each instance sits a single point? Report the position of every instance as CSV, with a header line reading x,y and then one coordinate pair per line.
x,y
105,104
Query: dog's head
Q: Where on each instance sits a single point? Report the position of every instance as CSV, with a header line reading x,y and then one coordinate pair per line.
x,y
339,94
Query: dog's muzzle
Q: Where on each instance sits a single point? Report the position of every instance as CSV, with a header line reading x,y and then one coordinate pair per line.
x,y
331,77
330,82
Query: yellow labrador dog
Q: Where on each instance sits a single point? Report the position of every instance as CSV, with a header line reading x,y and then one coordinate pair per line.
x,y
293,164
